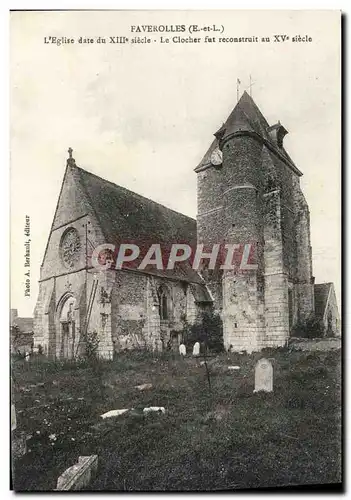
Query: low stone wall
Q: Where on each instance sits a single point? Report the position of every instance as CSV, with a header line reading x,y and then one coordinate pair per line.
x,y
325,344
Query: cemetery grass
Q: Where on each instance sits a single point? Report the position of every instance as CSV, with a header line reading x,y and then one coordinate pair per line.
x,y
223,439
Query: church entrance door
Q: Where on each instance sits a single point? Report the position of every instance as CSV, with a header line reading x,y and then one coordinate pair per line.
x,y
67,321
64,339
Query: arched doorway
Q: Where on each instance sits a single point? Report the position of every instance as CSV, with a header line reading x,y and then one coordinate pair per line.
x,y
67,328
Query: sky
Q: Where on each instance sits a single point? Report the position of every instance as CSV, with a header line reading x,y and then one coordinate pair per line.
x,y
143,115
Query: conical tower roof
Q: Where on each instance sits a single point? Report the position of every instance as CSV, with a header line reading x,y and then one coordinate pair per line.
x,y
246,117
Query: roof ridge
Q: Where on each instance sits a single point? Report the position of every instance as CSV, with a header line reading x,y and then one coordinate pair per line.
x,y
133,192
257,108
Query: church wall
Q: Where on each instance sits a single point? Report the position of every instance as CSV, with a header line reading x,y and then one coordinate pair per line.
x,y
305,282
53,265
135,319
44,327
72,201
128,310
276,279
73,210
243,313
72,284
47,328
331,317
285,181
210,222
192,311
277,311
296,249
71,205
243,299
209,205
100,317
179,306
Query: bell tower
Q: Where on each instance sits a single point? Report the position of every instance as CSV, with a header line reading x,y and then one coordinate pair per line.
x,y
233,179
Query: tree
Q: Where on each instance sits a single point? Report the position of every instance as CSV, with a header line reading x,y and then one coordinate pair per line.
x,y
209,332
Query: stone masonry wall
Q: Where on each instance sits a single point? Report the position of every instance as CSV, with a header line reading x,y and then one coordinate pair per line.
x,y
135,310
41,315
100,319
209,205
304,282
71,285
276,281
332,325
73,211
210,222
243,305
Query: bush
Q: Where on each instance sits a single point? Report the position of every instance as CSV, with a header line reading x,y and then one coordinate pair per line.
x,y
91,345
209,332
311,328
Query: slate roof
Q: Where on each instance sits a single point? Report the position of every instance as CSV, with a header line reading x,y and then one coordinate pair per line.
x,y
127,217
246,117
321,294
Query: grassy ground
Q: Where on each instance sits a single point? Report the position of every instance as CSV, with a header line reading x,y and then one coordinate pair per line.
x,y
229,438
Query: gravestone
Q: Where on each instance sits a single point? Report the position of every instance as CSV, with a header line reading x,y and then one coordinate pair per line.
x,y
196,349
79,475
18,438
19,443
143,387
157,409
182,350
114,413
263,376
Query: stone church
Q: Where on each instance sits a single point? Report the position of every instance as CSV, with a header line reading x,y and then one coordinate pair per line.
x,y
248,191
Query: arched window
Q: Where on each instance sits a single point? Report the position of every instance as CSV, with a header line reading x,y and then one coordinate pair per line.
x,y
163,303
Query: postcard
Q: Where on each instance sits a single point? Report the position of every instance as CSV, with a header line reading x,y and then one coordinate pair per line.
x,y
175,250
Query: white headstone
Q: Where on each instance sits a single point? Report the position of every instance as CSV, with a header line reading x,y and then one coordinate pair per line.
x,y
114,413
182,350
263,376
157,409
196,349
